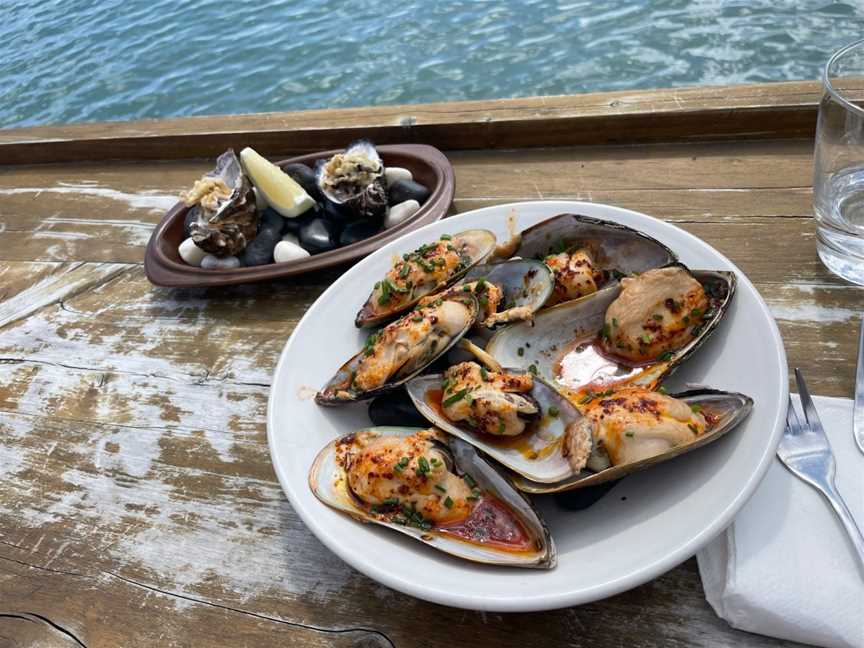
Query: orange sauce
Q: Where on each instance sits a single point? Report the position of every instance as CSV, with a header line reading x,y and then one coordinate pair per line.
x,y
492,524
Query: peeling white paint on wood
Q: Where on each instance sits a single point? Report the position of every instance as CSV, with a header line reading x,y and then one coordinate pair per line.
x,y
150,200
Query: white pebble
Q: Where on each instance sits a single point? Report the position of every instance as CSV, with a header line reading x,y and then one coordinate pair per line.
x,y
400,213
288,251
290,238
397,173
211,262
191,253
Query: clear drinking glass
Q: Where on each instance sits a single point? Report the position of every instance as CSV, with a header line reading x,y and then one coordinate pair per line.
x,y
838,172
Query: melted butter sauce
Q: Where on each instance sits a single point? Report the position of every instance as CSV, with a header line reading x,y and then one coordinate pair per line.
x,y
531,446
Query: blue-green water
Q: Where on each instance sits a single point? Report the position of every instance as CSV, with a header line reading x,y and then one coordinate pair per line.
x,y
69,61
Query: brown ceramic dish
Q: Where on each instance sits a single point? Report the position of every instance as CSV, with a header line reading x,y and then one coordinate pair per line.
x,y
164,267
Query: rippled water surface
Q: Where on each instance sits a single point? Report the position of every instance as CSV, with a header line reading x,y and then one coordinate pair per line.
x,y
73,60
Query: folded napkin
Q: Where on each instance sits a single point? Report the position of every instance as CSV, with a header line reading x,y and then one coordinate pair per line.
x,y
785,567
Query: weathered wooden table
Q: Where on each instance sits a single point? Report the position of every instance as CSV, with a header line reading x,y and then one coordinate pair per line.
x,y
137,501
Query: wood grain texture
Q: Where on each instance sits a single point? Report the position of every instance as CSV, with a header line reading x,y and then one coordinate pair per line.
x,y
773,110
138,504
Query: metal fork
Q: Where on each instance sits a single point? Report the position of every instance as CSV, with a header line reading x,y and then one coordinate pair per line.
x,y
804,449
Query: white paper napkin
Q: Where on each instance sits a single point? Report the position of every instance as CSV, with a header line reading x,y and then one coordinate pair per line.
x,y
785,567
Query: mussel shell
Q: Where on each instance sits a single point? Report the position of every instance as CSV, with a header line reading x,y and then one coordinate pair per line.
x,y
534,454
477,244
616,247
329,483
731,408
555,330
523,282
329,394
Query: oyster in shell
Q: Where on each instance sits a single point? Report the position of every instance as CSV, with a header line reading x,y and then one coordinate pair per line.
x,y
424,271
640,428
435,489
401,350
355,180
225,219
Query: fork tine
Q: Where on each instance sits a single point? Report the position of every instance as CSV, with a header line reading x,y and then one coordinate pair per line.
x,y
807,403
793,425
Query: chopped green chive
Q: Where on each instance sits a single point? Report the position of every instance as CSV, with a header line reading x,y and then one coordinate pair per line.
x,y
455,398
390,501
553,411
614,321
501,426
469,480
417,318
446,237
439,487
666,355
520,352
657,317
629,433
404,270
533,369
423,466
484,374
695,312
695,408
693,428
448,502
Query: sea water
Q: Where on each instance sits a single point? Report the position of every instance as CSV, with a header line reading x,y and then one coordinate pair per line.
x,y
83,60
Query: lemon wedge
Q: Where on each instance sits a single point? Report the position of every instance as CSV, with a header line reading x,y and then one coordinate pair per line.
x,y
280,191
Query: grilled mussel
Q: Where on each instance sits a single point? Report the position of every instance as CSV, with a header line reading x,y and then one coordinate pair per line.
x,y
434,488
402,349
632,333
586,253
426,270
513,416
635,428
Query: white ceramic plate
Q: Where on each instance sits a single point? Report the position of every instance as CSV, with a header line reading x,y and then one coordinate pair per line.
x,y
644,526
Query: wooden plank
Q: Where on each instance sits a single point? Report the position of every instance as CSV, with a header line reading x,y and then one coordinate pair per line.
x,y
775,110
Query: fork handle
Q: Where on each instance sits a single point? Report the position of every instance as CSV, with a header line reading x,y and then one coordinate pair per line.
x,y
836,500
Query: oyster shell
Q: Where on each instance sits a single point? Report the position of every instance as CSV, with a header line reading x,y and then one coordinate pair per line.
x,y
223,203
586,253
722,411
536,453
355,179
424,271
401,350
438,491
563,344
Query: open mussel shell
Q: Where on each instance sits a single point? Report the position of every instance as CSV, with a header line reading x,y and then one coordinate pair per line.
x,y
727,408
475,245
525,284
329,482
534,454
561,342
616,248
339,389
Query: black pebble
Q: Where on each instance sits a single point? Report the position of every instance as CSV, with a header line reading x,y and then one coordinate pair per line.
x,y
305,177
334,213
319,235
260,250
294,225
582,498
395,408
403,190
357,231
271,220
